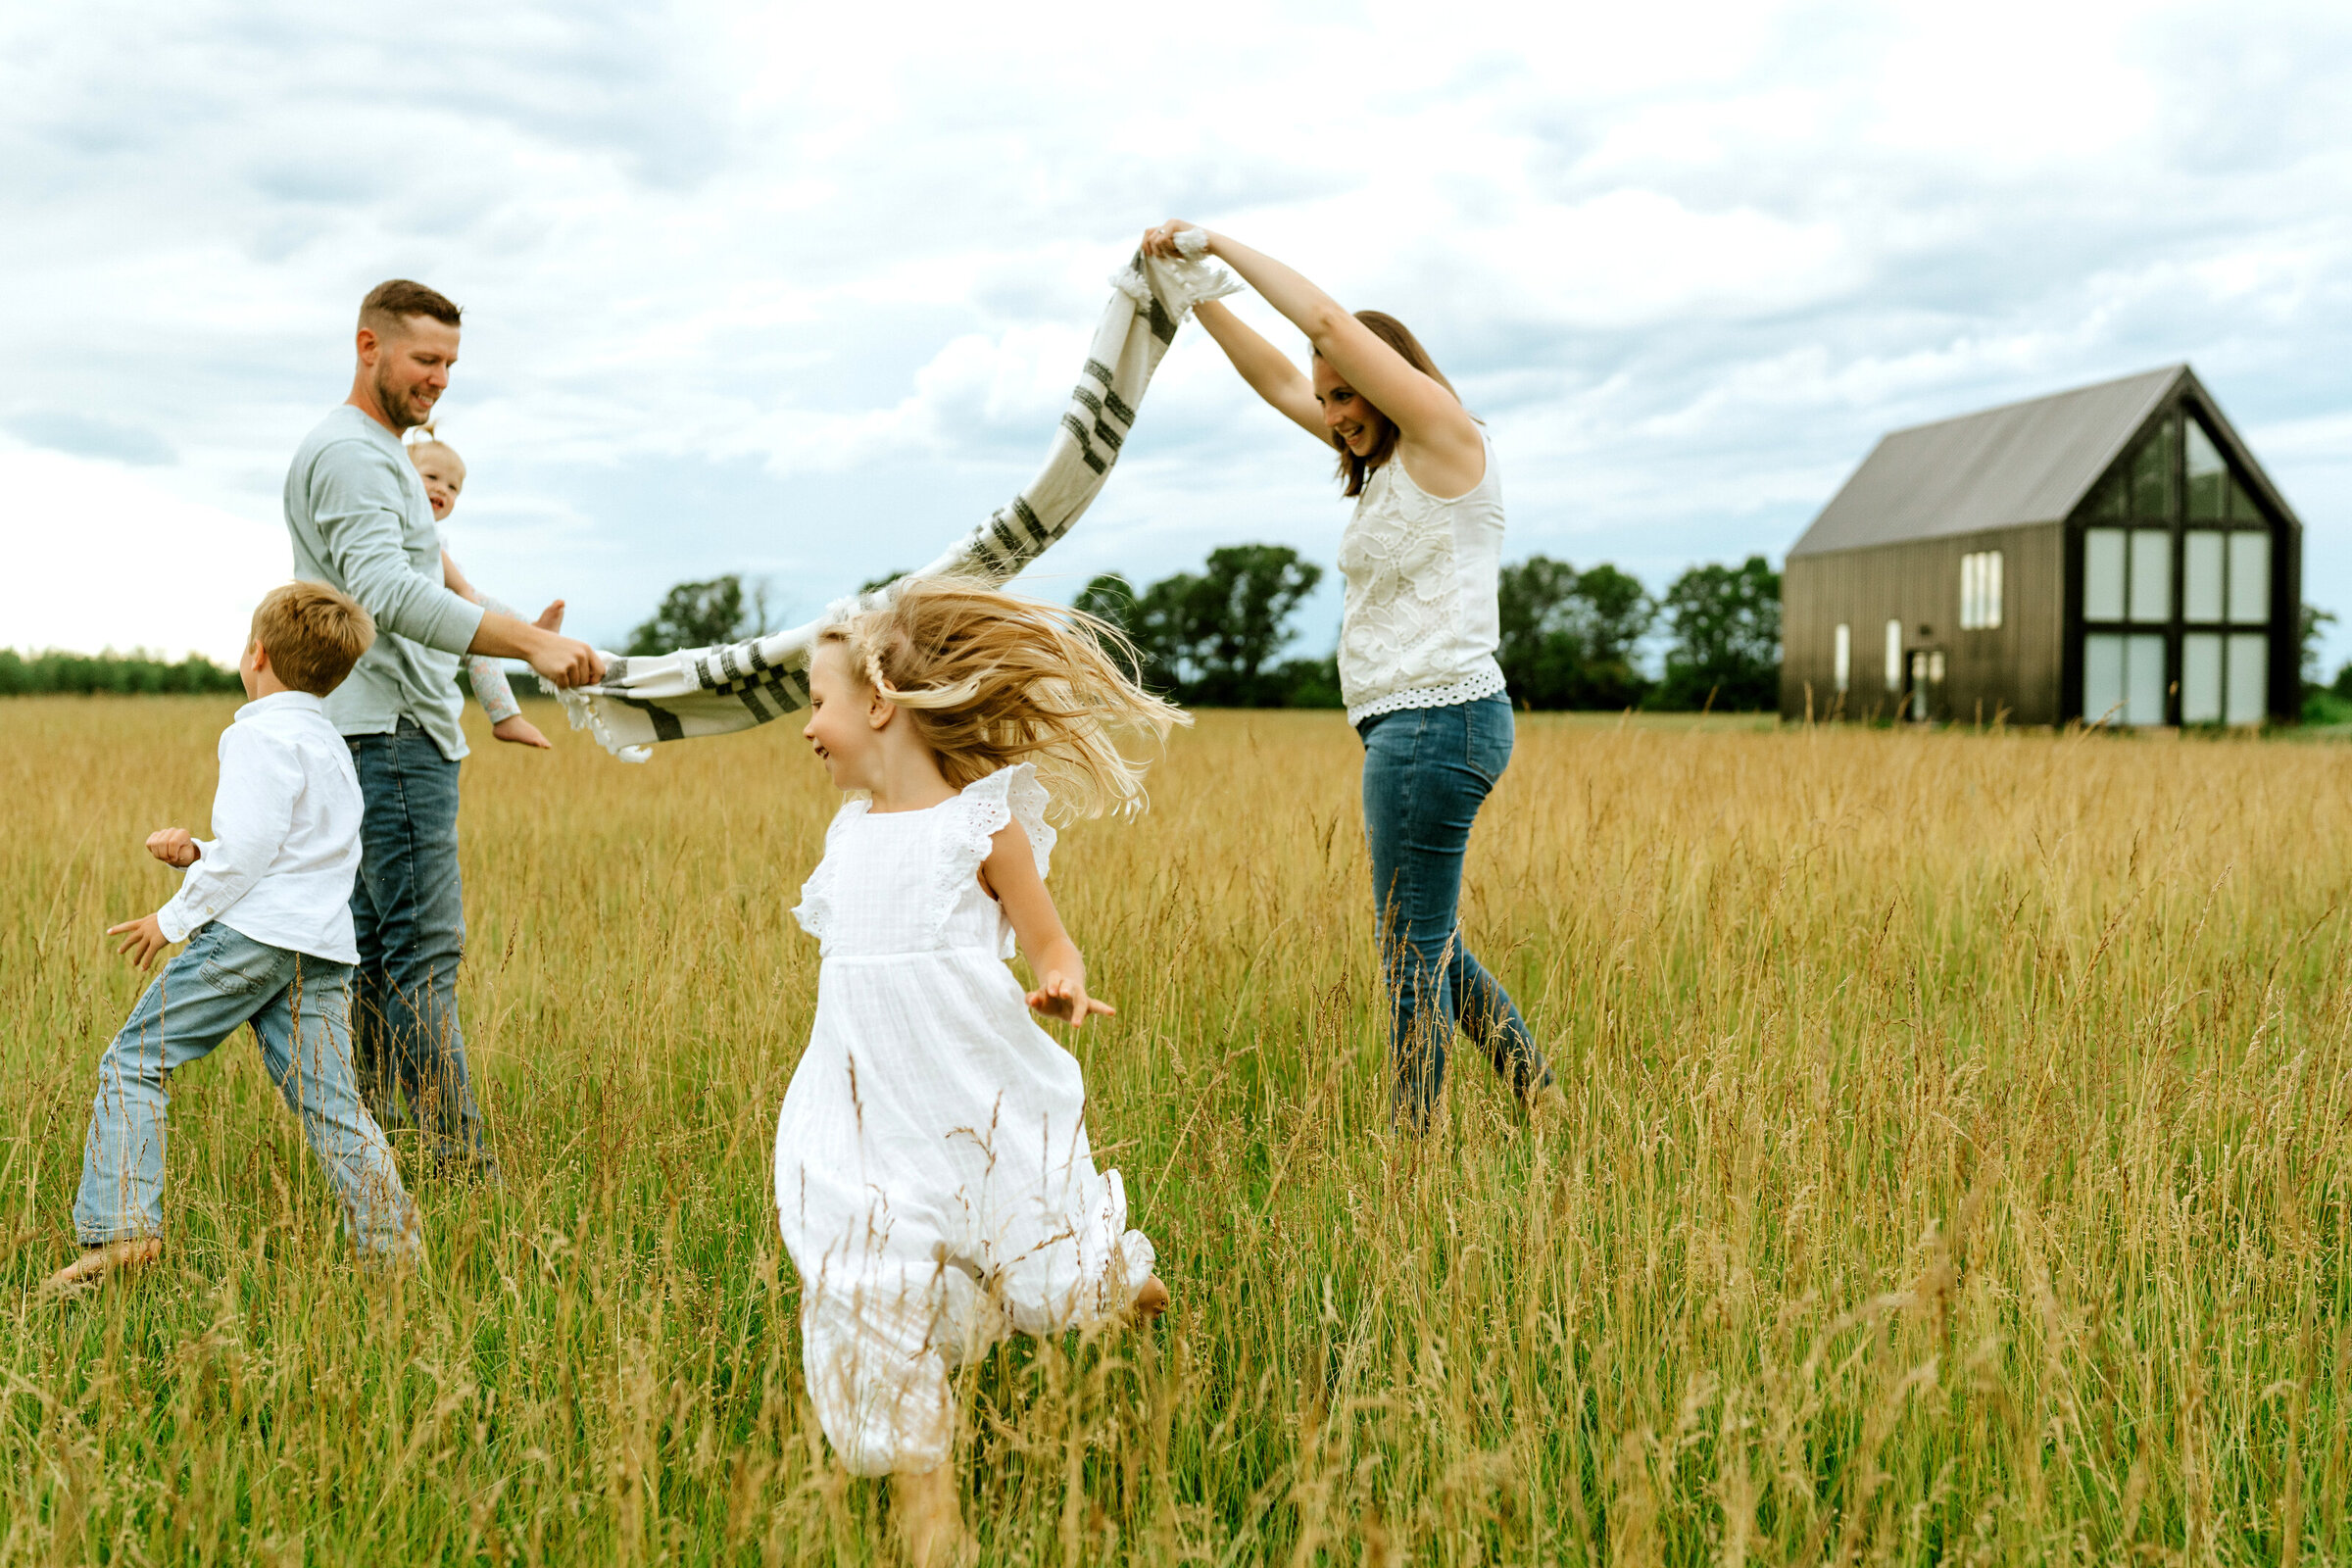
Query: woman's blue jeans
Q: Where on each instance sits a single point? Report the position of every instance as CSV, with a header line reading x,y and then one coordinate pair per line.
x,y
1427,771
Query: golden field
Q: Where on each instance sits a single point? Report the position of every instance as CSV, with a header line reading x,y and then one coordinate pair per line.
x,y
1955,1170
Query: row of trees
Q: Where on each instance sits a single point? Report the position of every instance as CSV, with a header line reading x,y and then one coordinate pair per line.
x,y
1567,638
1216,637
120,675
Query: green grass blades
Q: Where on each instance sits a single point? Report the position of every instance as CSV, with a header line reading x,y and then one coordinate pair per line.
x,y
1953,1169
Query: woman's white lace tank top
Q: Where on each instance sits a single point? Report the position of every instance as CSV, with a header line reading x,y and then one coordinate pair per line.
x,y
1420,626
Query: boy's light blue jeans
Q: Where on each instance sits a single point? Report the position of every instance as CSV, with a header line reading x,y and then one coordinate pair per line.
x,y
1427,771
408,912
299,1006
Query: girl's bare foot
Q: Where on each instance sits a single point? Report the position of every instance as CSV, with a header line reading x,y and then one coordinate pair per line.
x,y
929,1517
97,1262
1150,1301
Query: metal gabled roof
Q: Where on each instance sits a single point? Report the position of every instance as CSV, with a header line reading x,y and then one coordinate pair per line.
x,y
2022,463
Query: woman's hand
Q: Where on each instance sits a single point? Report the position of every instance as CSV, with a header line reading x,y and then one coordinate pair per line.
x,y
1063,996
1161,241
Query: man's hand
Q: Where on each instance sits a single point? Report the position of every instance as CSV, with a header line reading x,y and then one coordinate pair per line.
x,y
565,661
1063,997
174,846
556,660
520,731
143,939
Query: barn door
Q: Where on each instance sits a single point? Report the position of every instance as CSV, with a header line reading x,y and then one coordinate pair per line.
x,y
1923,698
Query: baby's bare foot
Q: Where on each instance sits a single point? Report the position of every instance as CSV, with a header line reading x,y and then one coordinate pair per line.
x,y
97,1262
1150,1301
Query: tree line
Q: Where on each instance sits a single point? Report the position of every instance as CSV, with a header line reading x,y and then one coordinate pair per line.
x,y
130,674
1220,637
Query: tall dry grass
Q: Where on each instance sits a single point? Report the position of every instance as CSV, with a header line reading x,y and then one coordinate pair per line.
x,y
1955,1171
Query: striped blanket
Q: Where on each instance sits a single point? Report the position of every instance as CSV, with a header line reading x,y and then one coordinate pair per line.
x,y
718,691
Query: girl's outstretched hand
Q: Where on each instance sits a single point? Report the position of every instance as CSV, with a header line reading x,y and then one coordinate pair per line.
x,y
1061,997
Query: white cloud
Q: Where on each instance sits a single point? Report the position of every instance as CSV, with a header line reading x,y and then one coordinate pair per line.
x,y
797,289
102,557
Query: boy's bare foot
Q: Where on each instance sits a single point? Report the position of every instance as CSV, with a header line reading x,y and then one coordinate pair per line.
x,y
97,1262
1150,1301
929,1517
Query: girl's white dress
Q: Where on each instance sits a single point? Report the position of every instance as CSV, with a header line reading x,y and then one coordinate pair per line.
x,y
933,1177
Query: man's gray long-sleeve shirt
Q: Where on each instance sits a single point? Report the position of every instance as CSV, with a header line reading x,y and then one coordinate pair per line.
x,y
360,521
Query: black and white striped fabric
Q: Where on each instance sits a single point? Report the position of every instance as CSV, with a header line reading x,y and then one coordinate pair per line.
x,y
718,691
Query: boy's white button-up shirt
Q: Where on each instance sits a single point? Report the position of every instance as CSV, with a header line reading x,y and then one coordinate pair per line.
x,y
285,848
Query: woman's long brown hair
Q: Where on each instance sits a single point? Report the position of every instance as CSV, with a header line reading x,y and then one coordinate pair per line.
x,y
1399,336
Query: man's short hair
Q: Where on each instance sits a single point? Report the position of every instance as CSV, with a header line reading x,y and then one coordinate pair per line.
x,y
312,634
390,304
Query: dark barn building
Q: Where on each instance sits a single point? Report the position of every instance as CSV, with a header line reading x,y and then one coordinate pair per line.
x,y
2112,554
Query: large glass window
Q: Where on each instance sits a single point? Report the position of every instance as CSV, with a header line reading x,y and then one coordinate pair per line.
x,y
2123,678
2225,680
2128,574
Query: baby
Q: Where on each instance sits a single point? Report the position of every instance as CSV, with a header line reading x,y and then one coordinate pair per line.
x,y
443,472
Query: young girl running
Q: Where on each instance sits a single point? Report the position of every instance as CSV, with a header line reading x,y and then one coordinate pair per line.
x,y
933,1176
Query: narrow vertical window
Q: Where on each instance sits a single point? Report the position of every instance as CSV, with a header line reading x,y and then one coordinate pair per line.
x,y
2102,679
2249,677
2200,679
1841,662
2151,574
1993,590
2208,477
1967,592
2201,576
2143,680
1895,655
2103,574
2249,576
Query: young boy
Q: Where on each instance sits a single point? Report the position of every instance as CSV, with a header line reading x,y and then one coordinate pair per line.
x,y
266,911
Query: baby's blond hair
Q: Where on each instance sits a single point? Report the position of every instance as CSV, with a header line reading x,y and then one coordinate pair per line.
x,y
990,679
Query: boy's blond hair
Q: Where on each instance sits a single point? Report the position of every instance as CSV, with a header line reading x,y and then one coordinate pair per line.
x,y
312,634
990,679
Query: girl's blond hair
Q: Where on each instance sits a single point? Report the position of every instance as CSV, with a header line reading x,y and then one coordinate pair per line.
x,y
990,679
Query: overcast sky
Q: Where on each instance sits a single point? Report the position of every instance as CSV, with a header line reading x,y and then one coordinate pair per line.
x,y
799,291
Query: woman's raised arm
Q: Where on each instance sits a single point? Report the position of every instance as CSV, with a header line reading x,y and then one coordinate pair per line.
x,y
1425,414
1269,370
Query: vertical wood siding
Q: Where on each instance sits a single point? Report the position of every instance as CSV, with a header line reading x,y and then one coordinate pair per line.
x,y
2010,673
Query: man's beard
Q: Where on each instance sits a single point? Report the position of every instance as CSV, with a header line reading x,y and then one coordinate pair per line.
x,y
398,410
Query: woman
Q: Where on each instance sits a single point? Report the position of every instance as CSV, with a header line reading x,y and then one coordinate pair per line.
x,y
1417,644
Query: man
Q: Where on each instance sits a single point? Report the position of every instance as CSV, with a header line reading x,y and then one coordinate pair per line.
x,y
361,522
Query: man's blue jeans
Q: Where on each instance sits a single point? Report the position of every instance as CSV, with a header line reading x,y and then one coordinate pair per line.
x,y
409,912
299,1006
1427,771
